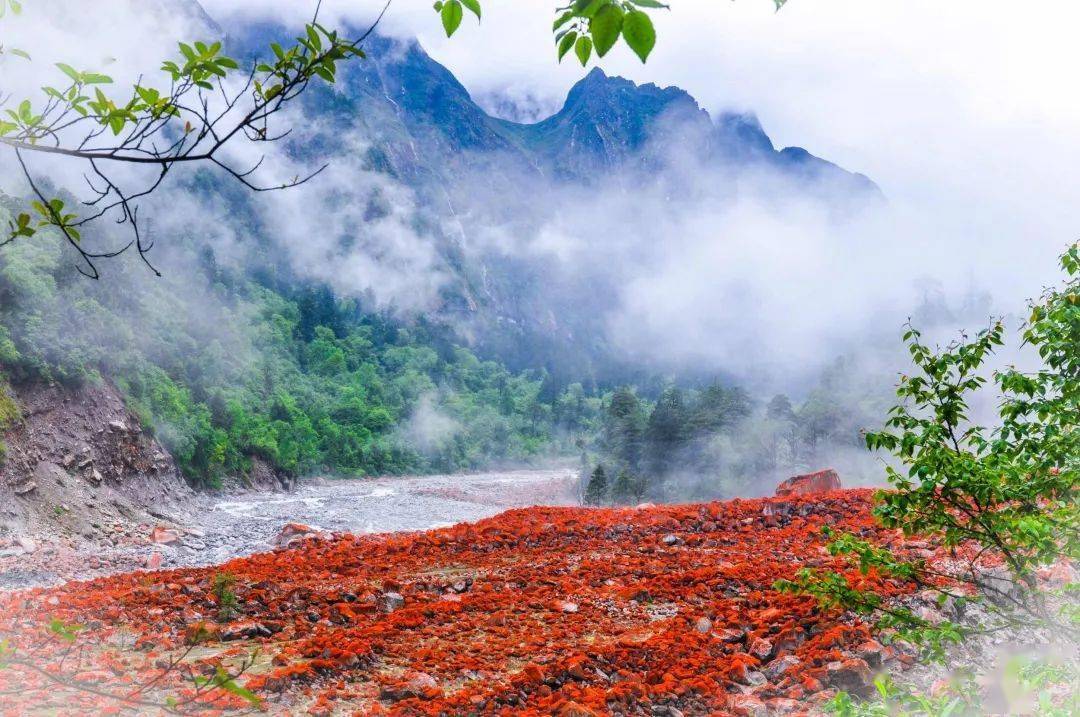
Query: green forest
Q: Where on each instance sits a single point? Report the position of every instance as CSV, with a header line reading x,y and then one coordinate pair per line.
x,y
228,366
699,443
225,369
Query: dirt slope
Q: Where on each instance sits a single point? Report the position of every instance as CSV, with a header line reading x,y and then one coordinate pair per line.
x,y
573,611
78,470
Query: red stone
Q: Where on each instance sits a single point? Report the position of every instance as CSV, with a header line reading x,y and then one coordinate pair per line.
x,y
506,644
810,483
292,532
164,536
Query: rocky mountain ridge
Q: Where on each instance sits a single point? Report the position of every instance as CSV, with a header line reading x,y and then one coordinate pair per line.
x,y
407,121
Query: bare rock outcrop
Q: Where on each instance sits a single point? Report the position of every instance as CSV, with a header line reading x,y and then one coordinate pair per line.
x,y
77,461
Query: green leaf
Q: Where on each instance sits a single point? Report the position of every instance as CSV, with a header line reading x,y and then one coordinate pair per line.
x,y
19,53
588,8
313,38
562,20
63,630
70,71
639,33
583,49
605,27
650,3
566,43
473,6
451,16
93,78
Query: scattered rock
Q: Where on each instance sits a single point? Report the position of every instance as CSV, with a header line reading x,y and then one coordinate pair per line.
x,y
566,606
809,483
244,630
391,601
118,426
419,685
778,667
852,675
293,533
747,706
671,540
872,652
761,649
783,706
27,486
164,536
730,635
153,561
703,625
27,543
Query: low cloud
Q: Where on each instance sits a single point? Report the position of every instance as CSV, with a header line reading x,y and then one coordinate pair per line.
x,y
427,428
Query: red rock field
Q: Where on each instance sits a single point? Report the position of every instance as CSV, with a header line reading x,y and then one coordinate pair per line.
x,y
664,610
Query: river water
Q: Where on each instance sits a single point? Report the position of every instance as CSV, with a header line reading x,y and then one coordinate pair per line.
x,y
239,525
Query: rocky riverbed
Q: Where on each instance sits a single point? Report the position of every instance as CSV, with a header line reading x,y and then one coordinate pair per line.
x,y
210,529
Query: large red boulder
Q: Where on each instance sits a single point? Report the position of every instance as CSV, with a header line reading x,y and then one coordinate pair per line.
x,y
294,533
819,482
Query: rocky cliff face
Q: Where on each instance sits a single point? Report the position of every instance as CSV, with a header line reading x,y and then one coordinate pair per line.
x,y
77,462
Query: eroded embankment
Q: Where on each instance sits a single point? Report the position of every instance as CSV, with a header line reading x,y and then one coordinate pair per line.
x,y
657,610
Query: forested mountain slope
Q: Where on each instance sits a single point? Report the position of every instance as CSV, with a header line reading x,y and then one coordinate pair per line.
x,y
484,194
396,316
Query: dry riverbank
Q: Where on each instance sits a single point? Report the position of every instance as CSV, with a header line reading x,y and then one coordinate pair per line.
x,y
208,529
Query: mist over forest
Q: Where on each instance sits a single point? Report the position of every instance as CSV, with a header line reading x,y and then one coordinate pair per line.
x,y
678,299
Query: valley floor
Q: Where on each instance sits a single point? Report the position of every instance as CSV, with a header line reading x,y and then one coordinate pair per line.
x,y
663,610
205,529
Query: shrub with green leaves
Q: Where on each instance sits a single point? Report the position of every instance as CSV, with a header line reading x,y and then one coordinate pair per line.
x,y
221,587
1001,494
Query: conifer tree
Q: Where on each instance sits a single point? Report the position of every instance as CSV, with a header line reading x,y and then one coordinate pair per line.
x,y
629,487
597,490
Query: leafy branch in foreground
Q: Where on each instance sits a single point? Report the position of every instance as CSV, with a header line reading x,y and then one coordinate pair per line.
x,y
1001,500
205,105
1035,686
64,656
208,102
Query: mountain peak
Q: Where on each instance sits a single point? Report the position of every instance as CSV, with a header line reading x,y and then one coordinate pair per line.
x,y
599,87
